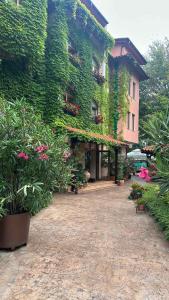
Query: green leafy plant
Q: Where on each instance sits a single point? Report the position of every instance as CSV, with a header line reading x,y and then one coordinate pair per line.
x,y
137,191
137,186
158,206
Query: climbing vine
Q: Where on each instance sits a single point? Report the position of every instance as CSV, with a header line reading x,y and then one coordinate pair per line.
x,y
114,101
22,50
35,61
79,77
123,92
119,103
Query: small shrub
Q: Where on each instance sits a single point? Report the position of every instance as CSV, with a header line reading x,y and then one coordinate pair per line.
x,y
137,186
141,201
137,191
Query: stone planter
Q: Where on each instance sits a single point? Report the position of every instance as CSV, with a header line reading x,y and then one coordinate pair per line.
x,y
14,230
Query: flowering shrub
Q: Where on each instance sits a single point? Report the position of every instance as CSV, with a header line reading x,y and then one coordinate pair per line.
x,y
71,108
43,156
41,148
32,164
23,155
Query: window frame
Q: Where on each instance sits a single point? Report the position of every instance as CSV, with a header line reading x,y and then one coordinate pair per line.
x,y
134,90
133,122
94,112
128,120
95,65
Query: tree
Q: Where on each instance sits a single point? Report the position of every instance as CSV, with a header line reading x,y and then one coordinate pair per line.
x,y
154,94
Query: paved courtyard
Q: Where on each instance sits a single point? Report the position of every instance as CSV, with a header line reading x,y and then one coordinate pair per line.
x,y
91,246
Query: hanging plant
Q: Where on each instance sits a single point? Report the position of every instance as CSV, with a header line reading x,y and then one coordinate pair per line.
x,y
71,108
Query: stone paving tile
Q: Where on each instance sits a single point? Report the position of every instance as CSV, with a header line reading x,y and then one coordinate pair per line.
x,y
90,246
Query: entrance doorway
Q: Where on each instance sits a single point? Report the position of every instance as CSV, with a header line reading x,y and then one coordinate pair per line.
x,y
97,162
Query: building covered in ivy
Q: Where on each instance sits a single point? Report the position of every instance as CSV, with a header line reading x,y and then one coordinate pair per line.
x,y
60,57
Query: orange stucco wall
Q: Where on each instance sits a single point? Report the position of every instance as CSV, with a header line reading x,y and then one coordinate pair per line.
x,y
131,135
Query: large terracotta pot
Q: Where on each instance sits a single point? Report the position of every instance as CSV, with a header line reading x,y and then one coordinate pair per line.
x,y
14,230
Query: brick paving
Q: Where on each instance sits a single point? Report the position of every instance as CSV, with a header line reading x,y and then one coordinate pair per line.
x,y
90,246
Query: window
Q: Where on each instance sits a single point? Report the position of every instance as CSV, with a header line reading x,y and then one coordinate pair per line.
x,y
129,88
103,69
134,90
71,48
95,65
94,109
133,122
128,120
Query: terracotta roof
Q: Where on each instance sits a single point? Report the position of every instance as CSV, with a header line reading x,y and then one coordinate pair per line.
x,y
106,138
135,67
94,10
153,148
148,149
126,42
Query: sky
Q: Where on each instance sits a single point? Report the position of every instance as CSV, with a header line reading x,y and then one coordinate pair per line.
x,y
142,21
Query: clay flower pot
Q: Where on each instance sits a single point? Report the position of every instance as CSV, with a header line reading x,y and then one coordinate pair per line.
x,y
14,230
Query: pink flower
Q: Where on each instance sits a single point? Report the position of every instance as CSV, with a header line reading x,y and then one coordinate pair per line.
x,y
23,155
41,148
43,156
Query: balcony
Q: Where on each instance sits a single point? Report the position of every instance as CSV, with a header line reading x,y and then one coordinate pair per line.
x,y
71,108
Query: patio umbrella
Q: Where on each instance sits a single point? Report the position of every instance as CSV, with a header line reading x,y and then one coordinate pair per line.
x,y
136,154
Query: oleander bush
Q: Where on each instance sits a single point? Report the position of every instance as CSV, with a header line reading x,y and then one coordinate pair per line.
x,y
33,161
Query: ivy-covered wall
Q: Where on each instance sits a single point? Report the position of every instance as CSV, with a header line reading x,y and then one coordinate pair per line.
x,y
119,103
22,50
74,23
35,61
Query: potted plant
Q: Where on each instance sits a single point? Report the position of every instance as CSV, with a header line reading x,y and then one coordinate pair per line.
x,y
137,191
32,165
140,205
